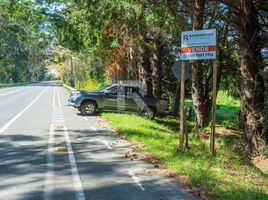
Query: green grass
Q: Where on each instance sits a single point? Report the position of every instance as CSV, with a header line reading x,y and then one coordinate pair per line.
x,y
226,112
224,99
228,176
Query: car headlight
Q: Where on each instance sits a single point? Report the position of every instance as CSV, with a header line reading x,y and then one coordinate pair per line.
x,y
75,94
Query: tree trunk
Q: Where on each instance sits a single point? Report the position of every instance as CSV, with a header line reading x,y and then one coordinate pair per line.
x,y
200,94
132,64
221,53
145,70
147,73
252,84
157,66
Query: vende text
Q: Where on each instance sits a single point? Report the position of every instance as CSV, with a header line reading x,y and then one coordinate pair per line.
x,y
198,49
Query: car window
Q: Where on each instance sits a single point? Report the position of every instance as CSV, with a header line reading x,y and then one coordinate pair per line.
x,y
112,90
131,91
103,88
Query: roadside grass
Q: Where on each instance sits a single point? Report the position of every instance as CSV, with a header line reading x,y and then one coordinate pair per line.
x,y
228,176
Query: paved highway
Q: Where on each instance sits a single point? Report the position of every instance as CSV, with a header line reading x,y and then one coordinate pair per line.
x,y
35,122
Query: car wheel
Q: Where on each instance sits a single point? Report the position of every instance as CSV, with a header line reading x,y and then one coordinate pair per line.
x,y
89,108
150,113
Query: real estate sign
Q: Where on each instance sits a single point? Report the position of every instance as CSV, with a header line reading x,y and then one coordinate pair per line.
x,y
198,45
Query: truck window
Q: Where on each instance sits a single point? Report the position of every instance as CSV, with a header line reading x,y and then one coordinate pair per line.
x,y
129,91
112,90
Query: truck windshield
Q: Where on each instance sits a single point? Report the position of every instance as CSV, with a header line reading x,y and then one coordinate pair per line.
x,y
103,88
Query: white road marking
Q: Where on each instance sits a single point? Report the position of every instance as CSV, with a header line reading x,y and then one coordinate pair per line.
x,y
85,118
58,121
106,144
57,115
93,128
49,181
8,124
79,193
136,179
58,98
53,98
57,118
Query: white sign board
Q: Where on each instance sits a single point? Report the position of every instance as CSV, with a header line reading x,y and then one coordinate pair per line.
x,y
198,45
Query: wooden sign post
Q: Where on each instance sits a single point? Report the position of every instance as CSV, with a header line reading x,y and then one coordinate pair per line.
x,y
213,115
182,104
199,45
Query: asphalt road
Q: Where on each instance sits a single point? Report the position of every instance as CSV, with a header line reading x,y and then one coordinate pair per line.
x,y
49,151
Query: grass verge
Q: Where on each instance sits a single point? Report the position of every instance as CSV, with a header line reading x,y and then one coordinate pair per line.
x,y
228,176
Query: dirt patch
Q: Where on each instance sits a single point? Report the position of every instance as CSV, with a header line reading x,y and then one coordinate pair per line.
x,y
182,179
223,132
103,123
261,163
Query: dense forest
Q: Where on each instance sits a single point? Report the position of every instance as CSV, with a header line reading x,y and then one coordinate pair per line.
x,y
112,40
24,45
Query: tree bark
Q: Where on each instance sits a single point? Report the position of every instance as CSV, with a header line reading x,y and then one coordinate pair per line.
x,y
200,94
252,84
145,70
144,64
132,62
157,66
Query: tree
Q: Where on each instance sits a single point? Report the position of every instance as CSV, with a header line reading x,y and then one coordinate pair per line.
x,y
23,43
139,40
246,21
130,38
200,88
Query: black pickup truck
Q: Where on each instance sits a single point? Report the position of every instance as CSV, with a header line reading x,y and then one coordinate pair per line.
x,y
119,98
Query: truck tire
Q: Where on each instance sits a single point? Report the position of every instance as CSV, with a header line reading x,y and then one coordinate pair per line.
x,y
89,108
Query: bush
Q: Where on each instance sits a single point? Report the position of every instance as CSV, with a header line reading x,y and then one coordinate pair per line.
x,y
89,84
